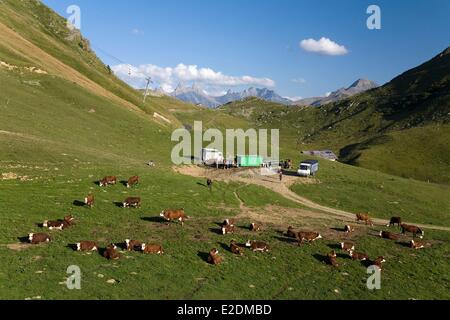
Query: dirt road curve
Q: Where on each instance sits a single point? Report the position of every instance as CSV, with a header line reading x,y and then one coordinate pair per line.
x,y
253,176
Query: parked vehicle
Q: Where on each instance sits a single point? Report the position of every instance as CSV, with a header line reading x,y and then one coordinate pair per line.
x,y
212,156
308,168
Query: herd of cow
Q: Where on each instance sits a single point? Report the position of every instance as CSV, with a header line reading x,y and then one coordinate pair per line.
x,y
227,227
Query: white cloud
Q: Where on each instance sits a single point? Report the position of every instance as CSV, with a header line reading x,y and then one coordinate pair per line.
x,y
137,32
323,46
299,80
169,77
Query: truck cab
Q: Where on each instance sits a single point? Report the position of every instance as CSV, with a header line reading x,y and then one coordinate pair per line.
x,y
308,168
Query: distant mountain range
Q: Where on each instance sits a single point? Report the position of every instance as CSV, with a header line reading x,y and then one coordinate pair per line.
x,y
359,86
196,95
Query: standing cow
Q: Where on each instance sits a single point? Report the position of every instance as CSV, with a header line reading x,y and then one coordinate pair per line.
x,y
106,181
132,181
89,200
174,215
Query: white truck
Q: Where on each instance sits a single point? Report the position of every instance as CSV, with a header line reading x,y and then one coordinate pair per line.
x,y
308,168
212,156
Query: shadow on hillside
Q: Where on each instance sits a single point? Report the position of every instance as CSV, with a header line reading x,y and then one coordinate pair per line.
x,y
202,184
338,229
123,182
286,239
216,231
320,257
334,246
78,203
404,244
225,247
203,255
118,204
154,219
24,239
72,246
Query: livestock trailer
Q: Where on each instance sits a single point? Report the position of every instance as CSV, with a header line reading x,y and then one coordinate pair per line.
x,y
308,168
211,156
249,161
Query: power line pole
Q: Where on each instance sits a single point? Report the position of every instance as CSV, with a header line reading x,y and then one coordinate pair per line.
x,y
149,80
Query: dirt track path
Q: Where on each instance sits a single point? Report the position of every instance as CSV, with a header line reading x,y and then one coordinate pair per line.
x,y
253,176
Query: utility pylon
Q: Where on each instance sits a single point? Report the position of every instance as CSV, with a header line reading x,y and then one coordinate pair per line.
x,y
149,80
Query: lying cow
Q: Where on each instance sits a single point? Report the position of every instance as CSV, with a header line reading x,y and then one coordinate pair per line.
x,y
347,246
174,215
379,262
257,246
214,257
132,202
358,256
306,236
291,233
395,221
255,227
89,201
111,253
227,229
332,259
106,181
416,245
38,238
235,248
132,181
133,244
348,229
228,222
364,218
152,249
412,229
389,235
59,224
87,246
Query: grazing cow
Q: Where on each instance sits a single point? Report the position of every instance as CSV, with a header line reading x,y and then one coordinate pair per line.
x,y
152,248
87,246
133,244
291,233
358,256
412,229
255,227
37,238
227,229
348,229
235,248
228,222
214,257
257,246
309,237
132,202
388,235
173,215
89,201
111,252
332,259
416,245
379,262
347,246
364,218
395,221
209,183
132,181
106,181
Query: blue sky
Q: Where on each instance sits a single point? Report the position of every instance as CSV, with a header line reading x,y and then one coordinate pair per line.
x,y
230,39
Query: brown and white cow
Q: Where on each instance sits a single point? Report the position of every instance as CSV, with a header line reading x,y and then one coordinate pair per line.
x,y
152,249
307,236
214,257
106,181
358,256
87,246
59,224
132,202
37,238
395,221
291,232
412,229
255,227
174,215
228,222
133,244
111,252
132,181
332,259
416,245
378,262
348,229
257,246
364,217
227,229
347,246
235,248
389,235
89,200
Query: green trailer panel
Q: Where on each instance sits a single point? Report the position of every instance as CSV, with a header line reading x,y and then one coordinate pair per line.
x,y
249,161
